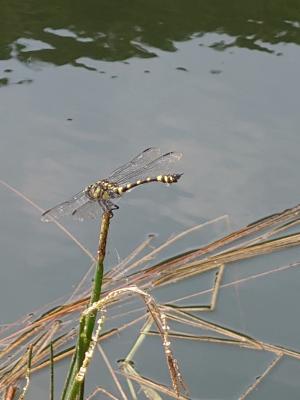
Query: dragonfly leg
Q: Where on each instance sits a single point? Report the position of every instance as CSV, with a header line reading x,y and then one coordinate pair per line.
x,y
108,206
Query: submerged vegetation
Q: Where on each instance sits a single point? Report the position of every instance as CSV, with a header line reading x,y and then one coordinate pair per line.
x,y
44,338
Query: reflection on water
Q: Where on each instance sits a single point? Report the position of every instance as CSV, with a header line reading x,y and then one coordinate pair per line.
x,y
63,33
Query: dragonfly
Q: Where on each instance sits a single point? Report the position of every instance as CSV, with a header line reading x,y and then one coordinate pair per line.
x,y
148,166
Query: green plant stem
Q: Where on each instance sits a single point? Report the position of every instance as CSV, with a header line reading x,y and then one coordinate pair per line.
x,y
74,389
51,372
70,377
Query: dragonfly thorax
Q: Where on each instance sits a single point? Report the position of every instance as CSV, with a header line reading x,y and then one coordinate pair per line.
x,y
102,190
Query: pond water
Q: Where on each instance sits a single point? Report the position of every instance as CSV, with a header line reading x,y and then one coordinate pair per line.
x,y
86,86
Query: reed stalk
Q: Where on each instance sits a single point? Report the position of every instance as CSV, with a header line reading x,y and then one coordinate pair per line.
x,y
74,389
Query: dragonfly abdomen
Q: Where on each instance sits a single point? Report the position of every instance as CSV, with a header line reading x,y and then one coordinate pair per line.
x,y
168,179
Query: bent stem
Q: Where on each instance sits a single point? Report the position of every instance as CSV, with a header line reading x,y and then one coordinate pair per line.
x,y
74,389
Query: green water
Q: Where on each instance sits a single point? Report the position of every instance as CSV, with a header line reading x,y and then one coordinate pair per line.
x,y
119,30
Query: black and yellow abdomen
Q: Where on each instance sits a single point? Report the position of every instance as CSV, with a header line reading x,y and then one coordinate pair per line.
x,y
167,179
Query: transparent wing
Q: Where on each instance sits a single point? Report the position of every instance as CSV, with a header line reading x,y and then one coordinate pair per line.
x,y
65,208
137,163
92,209
89,210
161,165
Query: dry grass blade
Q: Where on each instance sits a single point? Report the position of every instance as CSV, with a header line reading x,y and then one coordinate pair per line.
x,y
121,269
10,393
154,385
114,376
41,210
261,377
250,241
10,375
158,317
208,339
27,376
102,390
272,221
127,363
191,320
185,318
128,369
150,256
161,322
237,282
197,267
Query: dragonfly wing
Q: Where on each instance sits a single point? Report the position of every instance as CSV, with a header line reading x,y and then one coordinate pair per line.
x,y
162,165
137,163
65,208
89,210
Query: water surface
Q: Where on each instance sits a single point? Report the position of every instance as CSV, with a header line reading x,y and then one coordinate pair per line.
x,y
86,86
